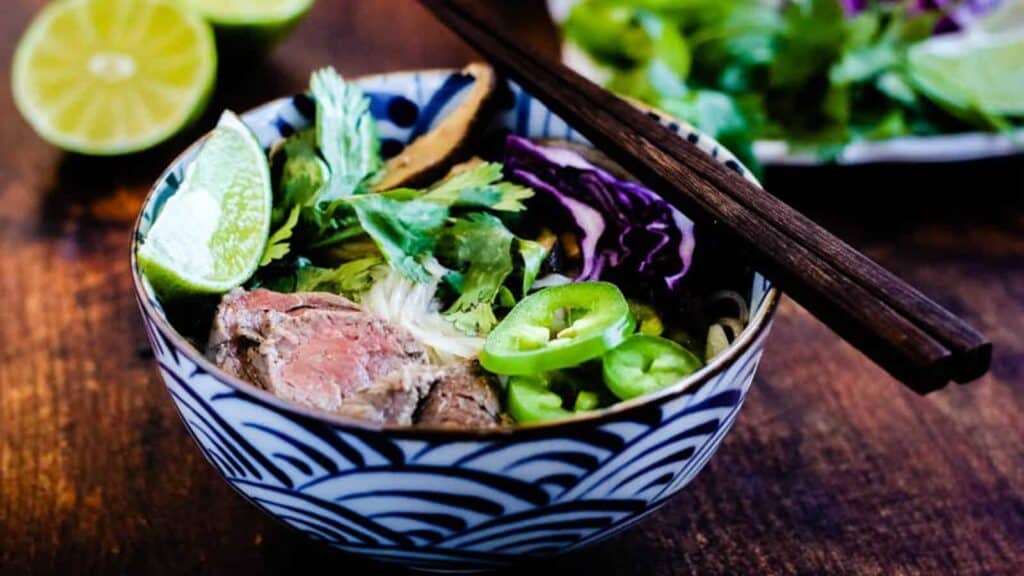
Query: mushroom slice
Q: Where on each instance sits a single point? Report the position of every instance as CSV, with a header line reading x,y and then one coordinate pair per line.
x,y
430,156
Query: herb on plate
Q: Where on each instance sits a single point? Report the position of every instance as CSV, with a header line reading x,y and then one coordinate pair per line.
x,y
818,74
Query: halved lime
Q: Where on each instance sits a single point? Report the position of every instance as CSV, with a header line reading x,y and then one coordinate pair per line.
x,y
244,24
210,234
972,74
107,77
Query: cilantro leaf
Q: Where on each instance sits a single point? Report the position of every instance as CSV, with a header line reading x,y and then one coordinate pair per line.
x,y
346,135
810,38
325,164
404,230
669,48
304,173
804,71
479,186
479,247
405,223
609,31
322,205
350,279
279,243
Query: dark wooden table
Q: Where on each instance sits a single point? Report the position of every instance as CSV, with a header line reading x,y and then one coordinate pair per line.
x,y
831,468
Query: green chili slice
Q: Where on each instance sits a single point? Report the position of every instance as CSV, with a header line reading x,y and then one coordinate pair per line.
x,y
644,364
558,327
530,400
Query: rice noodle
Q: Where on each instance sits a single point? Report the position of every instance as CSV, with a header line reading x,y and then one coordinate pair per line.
x,y
734,325
742,309
414,306
724,331
717,342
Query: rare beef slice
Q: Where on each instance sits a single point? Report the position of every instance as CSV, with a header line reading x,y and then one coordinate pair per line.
x,y
322,351
464,397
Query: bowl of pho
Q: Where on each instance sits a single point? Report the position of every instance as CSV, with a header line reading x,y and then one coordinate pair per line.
x,y
417,317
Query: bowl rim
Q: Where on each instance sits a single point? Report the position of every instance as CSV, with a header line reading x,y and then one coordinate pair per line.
x,y
756,328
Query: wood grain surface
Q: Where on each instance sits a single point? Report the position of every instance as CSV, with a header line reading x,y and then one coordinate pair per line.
x,y
832,466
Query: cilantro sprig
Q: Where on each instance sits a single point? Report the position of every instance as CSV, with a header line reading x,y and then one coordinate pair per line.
x,y
452,231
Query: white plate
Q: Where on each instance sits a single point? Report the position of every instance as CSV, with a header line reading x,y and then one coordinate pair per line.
x,y
909,149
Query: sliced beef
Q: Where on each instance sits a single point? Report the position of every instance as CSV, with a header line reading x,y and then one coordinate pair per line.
x,y
464,397
323,351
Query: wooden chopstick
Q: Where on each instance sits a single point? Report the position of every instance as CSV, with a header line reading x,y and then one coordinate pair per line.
x,y
906,333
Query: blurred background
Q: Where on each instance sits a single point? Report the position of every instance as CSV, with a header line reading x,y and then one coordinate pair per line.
x,y
831,468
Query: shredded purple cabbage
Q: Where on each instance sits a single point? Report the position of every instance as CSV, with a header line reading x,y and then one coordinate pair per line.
x,y
853,7
626,231
958,14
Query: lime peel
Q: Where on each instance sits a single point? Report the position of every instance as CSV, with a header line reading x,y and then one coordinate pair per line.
x,y
252,12
249,27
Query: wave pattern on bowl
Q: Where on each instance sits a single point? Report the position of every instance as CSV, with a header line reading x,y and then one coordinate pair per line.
x,y
471,504
440,501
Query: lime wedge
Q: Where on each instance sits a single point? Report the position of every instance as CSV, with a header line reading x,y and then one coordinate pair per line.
x,y
972,74
252,24
210,234
108,77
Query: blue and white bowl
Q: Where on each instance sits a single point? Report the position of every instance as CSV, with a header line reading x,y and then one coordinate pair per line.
x,y
440,499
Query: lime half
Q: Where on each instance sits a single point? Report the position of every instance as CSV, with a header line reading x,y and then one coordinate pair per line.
x,y
252,24
972,74
211,233
108,77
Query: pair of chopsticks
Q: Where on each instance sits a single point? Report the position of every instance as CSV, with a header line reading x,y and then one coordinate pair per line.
x,y
906,333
